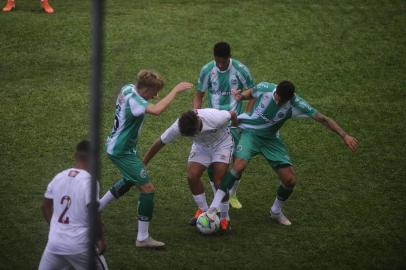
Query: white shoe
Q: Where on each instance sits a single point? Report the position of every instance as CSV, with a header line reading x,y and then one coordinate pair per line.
x,y
149,243
280,218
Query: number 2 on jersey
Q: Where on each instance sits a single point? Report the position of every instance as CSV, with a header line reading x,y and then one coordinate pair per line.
x,y
62,218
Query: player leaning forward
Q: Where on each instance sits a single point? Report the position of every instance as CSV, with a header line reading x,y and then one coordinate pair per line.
x,y
212,146
65,208
131,107
274,105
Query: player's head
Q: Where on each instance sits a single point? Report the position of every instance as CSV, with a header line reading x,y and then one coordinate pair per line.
x,y
285,91
149,83
82,153
222,54
189,123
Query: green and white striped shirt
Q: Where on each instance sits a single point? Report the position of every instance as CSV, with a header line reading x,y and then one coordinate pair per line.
x,y
130,112
220,84
267,117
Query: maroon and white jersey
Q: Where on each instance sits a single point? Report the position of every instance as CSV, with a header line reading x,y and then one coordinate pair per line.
x,y
70,192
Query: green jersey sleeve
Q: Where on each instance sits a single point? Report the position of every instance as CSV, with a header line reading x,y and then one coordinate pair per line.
x,y
301,108
261,88
203,82
245,76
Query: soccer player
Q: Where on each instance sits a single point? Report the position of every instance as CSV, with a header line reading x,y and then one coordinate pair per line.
x,y
65,208
10,5
131,107
212,146
220,78
274,105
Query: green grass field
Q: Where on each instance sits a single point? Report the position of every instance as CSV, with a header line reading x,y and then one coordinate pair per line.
x,y
347,58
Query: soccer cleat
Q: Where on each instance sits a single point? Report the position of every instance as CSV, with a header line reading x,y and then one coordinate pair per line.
x,y
10,5
47,7
149,243
280,218
225,225
193,220
234,202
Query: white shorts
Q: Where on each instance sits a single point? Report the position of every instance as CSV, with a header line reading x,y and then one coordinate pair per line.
x,y
51,261
207,155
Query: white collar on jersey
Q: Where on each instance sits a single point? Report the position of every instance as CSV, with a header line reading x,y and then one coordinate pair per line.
x,y
230,64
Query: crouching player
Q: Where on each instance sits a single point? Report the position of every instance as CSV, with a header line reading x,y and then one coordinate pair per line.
x,y
212,146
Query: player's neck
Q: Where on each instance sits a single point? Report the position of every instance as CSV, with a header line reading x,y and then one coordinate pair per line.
x,y
81,166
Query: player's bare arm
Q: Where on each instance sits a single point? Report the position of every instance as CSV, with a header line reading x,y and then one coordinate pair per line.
x,y
351,142
198,100
153,150
163,104
47,209
242,95
101,242
234,119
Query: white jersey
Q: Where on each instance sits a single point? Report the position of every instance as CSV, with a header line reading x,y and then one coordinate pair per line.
x,y
214,131
70,192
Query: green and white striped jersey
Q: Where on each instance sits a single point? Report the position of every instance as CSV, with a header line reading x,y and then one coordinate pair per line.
x,y
267,117
220,84
130,112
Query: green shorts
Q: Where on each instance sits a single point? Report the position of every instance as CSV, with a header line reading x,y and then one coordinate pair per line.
x,y
235,133
272,148
131,167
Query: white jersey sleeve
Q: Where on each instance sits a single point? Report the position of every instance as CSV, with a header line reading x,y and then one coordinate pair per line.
x,y
137,108
171,133
49,192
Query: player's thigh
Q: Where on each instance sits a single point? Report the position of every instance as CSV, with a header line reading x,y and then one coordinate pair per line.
x,y
247,146
195,170
132,168
50,261
80,261
275,152
199,154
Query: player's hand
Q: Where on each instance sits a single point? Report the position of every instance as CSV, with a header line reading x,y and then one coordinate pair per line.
x,y
351,142
237,94
183,86
100,246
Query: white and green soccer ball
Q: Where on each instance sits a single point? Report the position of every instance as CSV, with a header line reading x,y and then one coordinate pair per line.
x,y
207,226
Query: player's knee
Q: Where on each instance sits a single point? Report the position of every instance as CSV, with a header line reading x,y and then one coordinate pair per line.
x,y
289,181
147,188
192,177
239,165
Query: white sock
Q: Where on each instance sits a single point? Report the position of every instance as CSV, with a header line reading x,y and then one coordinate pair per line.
x,y
218,197
108,197
142,230
277,206
201,202
233,190
213,187
224,208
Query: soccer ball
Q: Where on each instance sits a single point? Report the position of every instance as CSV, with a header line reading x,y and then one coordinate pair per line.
x,y
206,226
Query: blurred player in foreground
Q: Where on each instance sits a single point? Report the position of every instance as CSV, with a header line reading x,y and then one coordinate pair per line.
x,y
274,105
131,107
65,208
212,146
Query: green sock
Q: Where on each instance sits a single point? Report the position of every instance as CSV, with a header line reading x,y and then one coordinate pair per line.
x,y
284,192
120,188
145,206
228,180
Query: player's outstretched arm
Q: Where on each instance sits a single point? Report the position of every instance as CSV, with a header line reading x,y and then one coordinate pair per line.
x,y
47,209
198,100
234,119
163,104
351,142
153,150
242,95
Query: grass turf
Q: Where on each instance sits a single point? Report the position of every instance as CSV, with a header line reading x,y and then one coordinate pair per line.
x,y
347,60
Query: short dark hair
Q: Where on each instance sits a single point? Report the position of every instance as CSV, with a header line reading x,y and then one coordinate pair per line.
x,y
222,49
188,123
285,90
83,150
